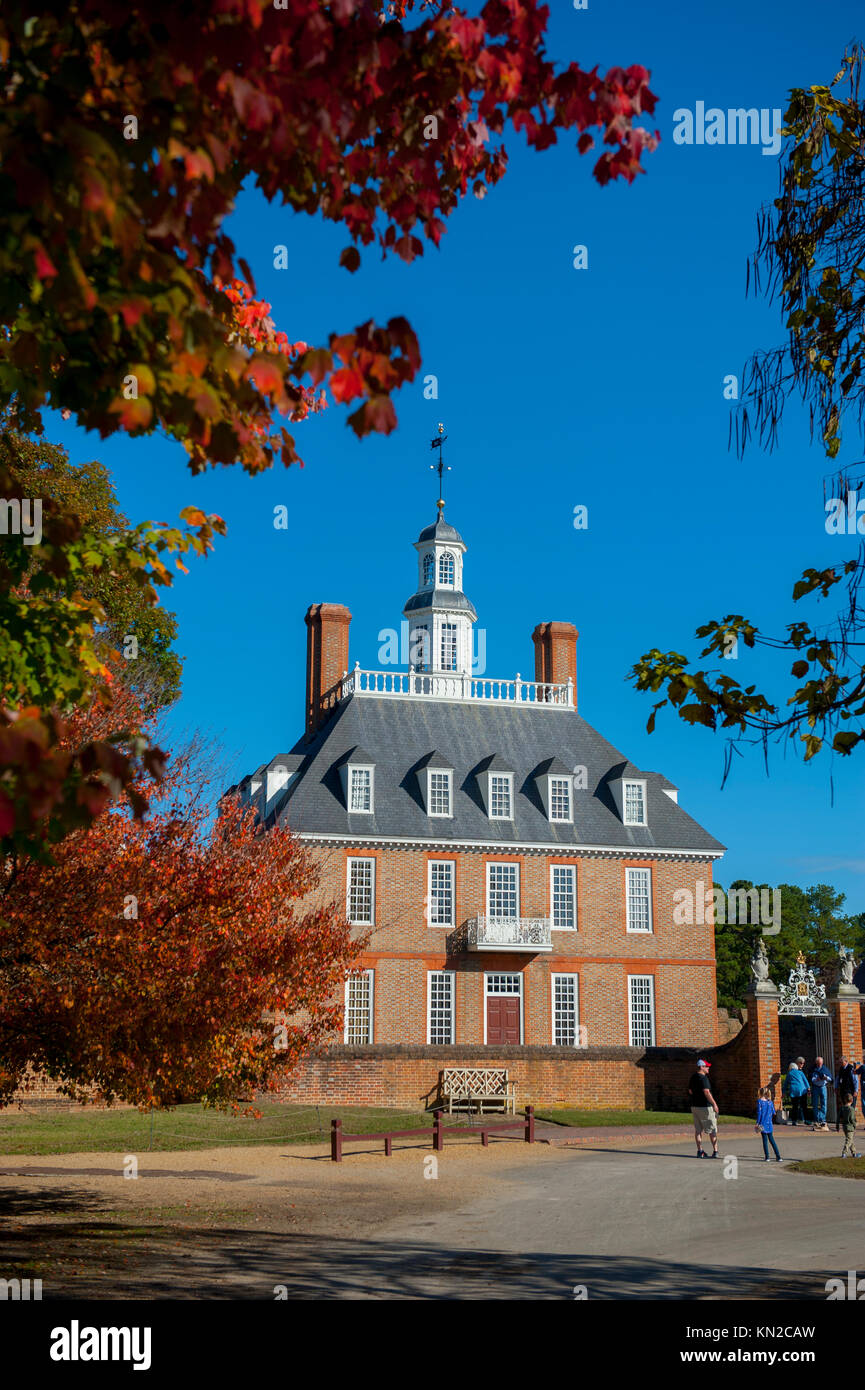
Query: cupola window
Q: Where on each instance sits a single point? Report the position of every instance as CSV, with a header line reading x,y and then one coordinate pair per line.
x,y
446,568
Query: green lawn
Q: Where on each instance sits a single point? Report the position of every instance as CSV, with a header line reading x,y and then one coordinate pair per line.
x,y
831,1167
188,1127
586,1119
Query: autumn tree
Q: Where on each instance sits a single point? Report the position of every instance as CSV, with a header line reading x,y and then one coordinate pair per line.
x,y
810,258
167,959
127,137
135,625
62,576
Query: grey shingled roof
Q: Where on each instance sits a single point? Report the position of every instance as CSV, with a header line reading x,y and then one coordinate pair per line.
x,y
399,735
441,530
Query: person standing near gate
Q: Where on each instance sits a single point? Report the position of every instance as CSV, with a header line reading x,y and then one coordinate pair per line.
x,y
821,1076
704,1109
796,1086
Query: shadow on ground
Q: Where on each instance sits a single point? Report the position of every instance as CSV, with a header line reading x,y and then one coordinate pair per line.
x,y
115,1261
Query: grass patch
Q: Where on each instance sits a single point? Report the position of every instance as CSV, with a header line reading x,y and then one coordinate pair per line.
x,y
189,1127
589,1119
830,1167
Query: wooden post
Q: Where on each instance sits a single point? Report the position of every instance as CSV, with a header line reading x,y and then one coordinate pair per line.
x,y
485,1138
336,1141
388,1146
530,1124
438,1137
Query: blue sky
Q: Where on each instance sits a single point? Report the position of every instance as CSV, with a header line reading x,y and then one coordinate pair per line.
x,y
558,387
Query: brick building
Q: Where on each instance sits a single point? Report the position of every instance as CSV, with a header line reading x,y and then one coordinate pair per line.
x,y
515,871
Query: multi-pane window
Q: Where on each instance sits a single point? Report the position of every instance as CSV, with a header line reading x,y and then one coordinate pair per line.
x,y
449,647
503,890
446,568
565,1011
440,793
500,796
429,568
635,803
641,1010
419,648
563,896
441,893
560,798
639,894
358,1007
360,785
441,1006
361,891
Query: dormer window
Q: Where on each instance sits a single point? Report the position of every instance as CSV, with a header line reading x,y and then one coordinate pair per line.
x,y
429,568
360,789
439,788
501,796
446,568
560,799
635,803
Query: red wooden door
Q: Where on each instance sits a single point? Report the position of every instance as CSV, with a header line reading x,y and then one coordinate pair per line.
x,y
503,1018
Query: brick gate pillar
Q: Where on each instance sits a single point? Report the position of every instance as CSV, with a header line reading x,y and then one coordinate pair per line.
x,y
764,1048
846,1012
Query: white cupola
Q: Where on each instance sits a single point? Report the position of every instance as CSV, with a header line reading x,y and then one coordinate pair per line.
x,y
440,616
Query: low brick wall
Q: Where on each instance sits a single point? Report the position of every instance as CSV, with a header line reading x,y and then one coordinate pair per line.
x,y
407,1077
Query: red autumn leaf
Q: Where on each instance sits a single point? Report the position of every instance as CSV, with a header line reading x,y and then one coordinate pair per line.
x,y
346,383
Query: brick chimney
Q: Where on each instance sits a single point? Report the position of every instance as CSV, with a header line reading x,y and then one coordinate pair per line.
x,y
326,659
556,654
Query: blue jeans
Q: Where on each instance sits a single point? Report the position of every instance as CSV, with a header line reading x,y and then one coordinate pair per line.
x,y
767,1140
818,1100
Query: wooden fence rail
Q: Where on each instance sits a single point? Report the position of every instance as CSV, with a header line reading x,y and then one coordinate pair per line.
x,y
338,1137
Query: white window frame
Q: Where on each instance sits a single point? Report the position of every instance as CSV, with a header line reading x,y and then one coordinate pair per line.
x,y
361,810
575,979
634,782
453,877
370,977
449,777
451,631
648,930
502,864
428,570
447,560
507,777
450,976
360,859
511,974
632,979
569,818
570,869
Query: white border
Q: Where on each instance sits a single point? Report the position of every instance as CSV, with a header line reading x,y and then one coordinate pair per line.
x,y
576,922
451,974
564,975
654,1042
366,859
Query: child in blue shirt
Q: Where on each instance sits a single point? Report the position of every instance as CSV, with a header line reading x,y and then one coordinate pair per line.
x,y
765,1116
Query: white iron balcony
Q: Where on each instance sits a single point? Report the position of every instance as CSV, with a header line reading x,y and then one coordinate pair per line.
x,y
452,685
509,934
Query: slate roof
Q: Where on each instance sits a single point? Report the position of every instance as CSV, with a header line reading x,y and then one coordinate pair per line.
x,y
441,531
399,735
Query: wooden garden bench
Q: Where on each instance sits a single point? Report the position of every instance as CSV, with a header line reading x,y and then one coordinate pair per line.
x,y
463,1087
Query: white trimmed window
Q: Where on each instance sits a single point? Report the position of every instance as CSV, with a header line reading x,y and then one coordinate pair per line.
x,y
358,1007
449,646
635,803
360,789
639,895
440,1006
641,1010
439,793
419,648
563,897
503,891
446,568
442,878
566,1013
501,796
429,568
560,799
361,891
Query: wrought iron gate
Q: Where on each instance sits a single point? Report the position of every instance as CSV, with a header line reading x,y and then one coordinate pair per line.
x,y
803,996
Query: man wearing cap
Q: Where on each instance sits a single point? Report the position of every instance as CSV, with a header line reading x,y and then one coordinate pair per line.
x,y
704,1109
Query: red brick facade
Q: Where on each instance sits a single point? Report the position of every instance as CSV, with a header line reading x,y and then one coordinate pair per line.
x,y
601,952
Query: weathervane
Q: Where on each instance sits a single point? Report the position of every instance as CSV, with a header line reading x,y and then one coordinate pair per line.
x,y
440,467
